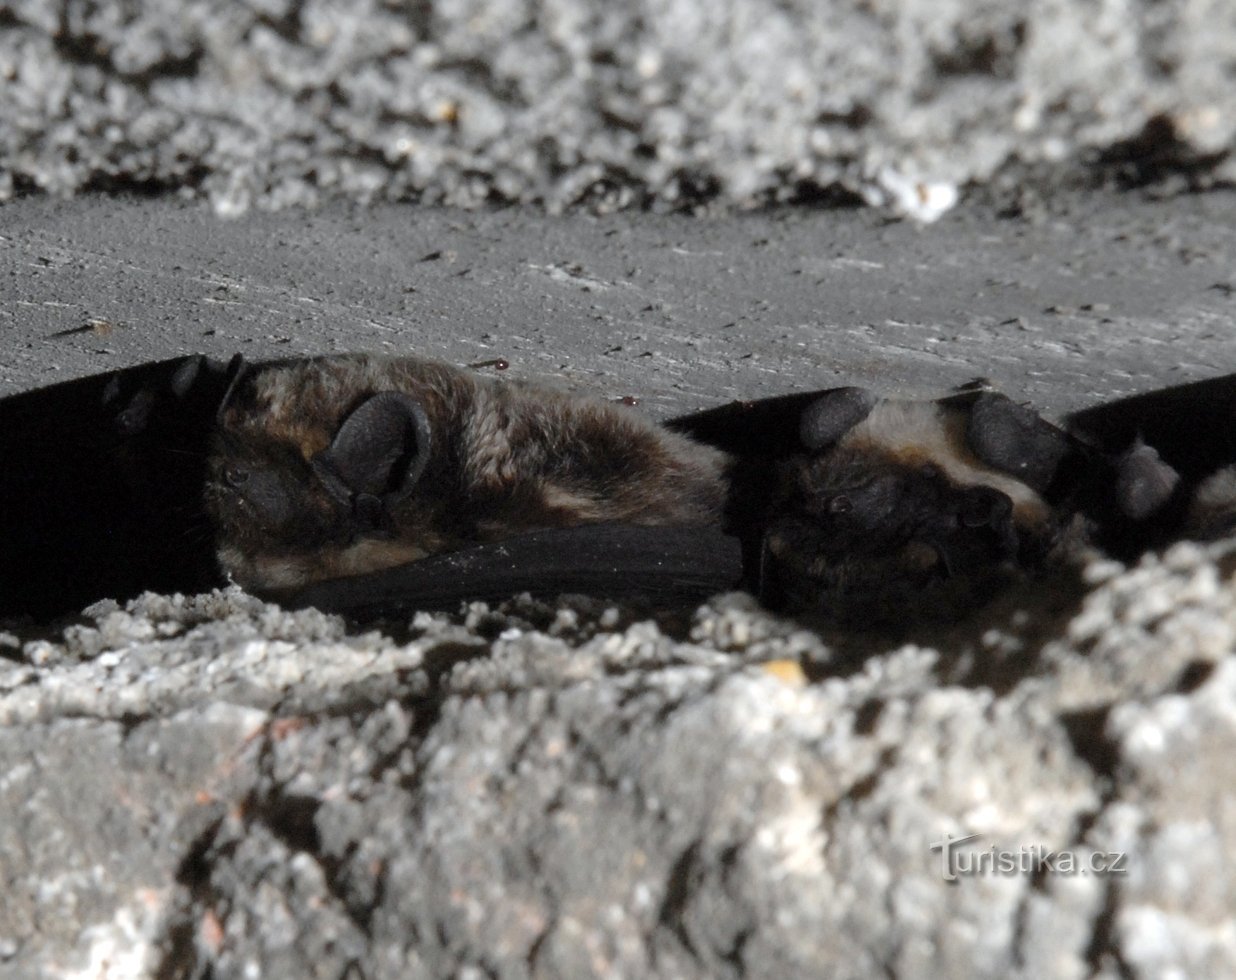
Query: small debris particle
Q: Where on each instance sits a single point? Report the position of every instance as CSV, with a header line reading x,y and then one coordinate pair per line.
x,y
787,671
96,325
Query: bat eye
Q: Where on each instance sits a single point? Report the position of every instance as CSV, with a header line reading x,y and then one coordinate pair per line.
x,y
840,504
236,476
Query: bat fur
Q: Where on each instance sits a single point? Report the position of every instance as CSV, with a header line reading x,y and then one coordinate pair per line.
x,y
310,477
344,466
894,512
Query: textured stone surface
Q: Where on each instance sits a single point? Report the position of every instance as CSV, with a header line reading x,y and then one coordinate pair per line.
x,y
276,103
211,784
1103,295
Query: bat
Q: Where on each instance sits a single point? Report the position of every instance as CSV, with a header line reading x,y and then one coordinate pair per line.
x,y
325,468
125,481
867,509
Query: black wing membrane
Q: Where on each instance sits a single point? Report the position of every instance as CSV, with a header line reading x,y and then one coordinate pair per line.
x,y
767,428
1192,427
101,485
665,567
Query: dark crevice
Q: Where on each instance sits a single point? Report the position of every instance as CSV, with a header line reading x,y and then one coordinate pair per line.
x,y
992,56
420,17
1194,675
1021,916
730,864
93,51
1154,154
178,959
136,185
1086,732
290,817
141,445
856,117
287,25
735,955
1103,951
832,196
867,715
863,788
679,888
538,945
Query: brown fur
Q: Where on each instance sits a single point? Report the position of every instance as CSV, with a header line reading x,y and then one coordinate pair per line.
x,y
506,457
899,520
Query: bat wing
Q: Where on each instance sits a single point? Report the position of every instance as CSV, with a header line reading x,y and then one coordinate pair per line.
x,y
100,490
769,427
1170,450
1192,427
662,566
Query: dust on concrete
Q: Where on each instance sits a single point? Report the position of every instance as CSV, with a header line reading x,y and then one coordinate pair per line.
x,y
1104,296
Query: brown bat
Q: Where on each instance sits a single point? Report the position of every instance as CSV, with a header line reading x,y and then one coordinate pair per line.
x,y
337,466
875,509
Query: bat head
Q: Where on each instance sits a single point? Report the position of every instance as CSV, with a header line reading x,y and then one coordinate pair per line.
x,y
298,492
905,509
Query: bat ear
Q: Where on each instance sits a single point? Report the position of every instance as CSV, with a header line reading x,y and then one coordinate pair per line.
x,y
1144,483
380,450
1015,440
833,414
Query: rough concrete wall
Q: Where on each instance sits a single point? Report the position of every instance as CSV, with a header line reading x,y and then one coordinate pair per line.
x,y
217,786
273,103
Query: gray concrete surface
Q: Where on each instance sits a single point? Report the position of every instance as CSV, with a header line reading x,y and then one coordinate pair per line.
x,y
1104,295
277,103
